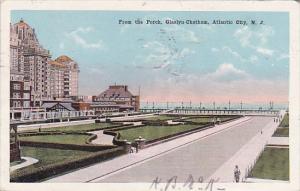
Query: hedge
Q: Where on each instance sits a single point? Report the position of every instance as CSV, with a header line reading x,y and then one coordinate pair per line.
x,y
90,147
207,126
64,166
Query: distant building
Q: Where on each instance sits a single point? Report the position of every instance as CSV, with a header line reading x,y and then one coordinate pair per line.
x,y
81,106
31,59
35,78
117,98
57,79
57,106
71,75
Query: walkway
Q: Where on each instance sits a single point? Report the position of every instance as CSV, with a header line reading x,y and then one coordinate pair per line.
x,y
200,153
102,139
280,141
28,161
247,155
258,180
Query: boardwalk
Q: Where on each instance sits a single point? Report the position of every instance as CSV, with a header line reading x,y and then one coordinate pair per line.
x,y
198,154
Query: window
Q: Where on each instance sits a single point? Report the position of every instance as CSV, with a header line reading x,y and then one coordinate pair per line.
x,y
16,95
26,95
17,86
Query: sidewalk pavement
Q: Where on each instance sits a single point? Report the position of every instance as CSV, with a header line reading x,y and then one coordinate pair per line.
x,y
102,138
258,180
102,170
279,141
126,118
28,161
246,156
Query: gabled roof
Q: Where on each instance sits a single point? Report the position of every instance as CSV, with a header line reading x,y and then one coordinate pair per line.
x,y
119,92
68,106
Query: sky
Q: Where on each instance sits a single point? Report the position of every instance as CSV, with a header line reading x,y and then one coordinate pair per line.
x,y
171,62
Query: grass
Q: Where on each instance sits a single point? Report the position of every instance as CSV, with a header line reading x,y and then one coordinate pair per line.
x,y
65,139
285,121
48,156
153,132
161,118
272,164
78,128
281,132
206,119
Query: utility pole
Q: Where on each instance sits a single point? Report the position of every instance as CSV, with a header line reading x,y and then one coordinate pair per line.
x,y
229,105
200,105
241,105
190,104
214,105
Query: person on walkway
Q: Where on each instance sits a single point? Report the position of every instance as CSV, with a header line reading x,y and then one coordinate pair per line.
x,y
136,145
237,173
131,149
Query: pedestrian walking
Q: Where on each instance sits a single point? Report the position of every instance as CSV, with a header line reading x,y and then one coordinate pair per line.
x,y
237,174
136,146
131,149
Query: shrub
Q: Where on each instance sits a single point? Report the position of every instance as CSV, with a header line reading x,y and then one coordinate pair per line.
x,y
57,168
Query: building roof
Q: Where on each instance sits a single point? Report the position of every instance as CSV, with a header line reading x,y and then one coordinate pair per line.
x,y
63,58
110,104
57,64
21,23
49,105
119,91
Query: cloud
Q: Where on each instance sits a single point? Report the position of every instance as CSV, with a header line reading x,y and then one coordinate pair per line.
x,y
282,56
227,72
251,59
265,51
256,40
248,37
161,56
76,36
216,86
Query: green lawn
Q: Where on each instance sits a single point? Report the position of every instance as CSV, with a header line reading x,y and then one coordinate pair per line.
x,y
285,121
79,128
48,156
65,139
161,118
206,119
283,129
153,132
272,164
281,132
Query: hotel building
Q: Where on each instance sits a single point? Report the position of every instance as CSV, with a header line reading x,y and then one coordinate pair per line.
x,y
31,60
117,98
34,77
71,75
